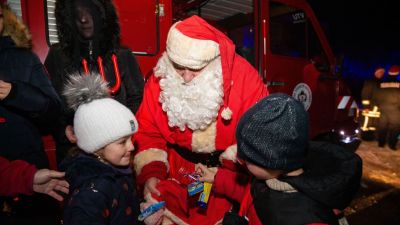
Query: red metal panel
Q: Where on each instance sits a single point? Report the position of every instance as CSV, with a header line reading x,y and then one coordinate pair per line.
x,y
139,28
148,62
33,13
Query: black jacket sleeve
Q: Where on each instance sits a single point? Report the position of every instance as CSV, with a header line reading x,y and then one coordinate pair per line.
x,y
134,83
54,64
36,98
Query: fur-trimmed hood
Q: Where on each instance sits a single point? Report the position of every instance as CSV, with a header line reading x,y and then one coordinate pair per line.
x,y
15,28
67,30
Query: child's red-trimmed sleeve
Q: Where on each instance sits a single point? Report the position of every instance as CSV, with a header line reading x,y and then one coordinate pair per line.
x,y
231,184
16,177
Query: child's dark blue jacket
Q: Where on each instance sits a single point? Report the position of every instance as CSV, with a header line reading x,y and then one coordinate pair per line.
x,y
99,193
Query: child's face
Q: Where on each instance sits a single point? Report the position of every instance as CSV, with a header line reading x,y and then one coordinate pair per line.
x,y
262,173
118,153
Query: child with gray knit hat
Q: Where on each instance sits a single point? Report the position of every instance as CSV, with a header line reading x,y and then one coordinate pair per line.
x,y
101,181
294,181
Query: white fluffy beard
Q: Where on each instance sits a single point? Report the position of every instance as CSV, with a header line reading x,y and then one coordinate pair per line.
x,y
194,104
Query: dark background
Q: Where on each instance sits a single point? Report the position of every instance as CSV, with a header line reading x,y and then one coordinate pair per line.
x,y
366,34
360,25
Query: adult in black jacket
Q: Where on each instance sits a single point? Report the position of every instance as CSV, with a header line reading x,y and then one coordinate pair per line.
x,y
87,30
28,103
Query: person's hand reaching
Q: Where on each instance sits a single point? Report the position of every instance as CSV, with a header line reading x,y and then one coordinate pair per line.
x,y
5,89
150,186
49,182
206,174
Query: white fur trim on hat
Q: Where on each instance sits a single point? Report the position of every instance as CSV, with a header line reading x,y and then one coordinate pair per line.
x,y
101,122
147,156
190,52
203,141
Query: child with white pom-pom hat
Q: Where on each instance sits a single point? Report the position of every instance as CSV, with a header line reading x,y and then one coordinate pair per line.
x,y
101,181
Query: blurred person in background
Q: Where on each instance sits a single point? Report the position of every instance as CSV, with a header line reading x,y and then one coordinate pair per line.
x,y
28,107
370,111
388,101
89,39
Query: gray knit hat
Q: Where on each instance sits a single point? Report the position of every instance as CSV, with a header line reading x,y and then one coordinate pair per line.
x,y
274,133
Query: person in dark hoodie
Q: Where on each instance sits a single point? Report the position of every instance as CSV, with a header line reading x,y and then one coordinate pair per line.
x,y
296,182
28,106
89,39
102,190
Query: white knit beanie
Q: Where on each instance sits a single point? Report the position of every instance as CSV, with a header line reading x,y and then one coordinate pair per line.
x,y
99,120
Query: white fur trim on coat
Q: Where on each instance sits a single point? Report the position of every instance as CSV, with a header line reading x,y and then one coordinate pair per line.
x,y
203,141
147,156
190,52
230,153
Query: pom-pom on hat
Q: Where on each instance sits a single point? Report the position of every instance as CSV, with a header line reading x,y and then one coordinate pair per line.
x,y
99,120
273,133
394,70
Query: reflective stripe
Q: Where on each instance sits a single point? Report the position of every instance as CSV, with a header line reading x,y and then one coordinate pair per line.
x,y
343,102
346,102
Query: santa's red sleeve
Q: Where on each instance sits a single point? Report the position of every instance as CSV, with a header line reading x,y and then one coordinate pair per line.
x,y
231,184
247,87
16,177
151,157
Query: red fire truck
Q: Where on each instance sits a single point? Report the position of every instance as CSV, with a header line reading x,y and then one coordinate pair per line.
x,y
281,38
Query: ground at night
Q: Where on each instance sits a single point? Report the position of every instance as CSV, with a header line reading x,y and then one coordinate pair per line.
x,y
378,201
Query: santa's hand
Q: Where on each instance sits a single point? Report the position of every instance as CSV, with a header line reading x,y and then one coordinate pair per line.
x,y
150,186
206,174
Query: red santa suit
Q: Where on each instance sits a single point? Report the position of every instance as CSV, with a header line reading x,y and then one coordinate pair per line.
x,y
166,146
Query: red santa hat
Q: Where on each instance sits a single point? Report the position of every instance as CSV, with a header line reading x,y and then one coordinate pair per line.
x,y
394,70
193,43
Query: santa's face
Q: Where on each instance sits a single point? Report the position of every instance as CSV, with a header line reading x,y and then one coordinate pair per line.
x,y
186,73
190,98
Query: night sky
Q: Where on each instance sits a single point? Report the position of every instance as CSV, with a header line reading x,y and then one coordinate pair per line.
x,y
365,33
360,25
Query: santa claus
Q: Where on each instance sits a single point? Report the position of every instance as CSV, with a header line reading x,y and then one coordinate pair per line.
x,y
191,106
